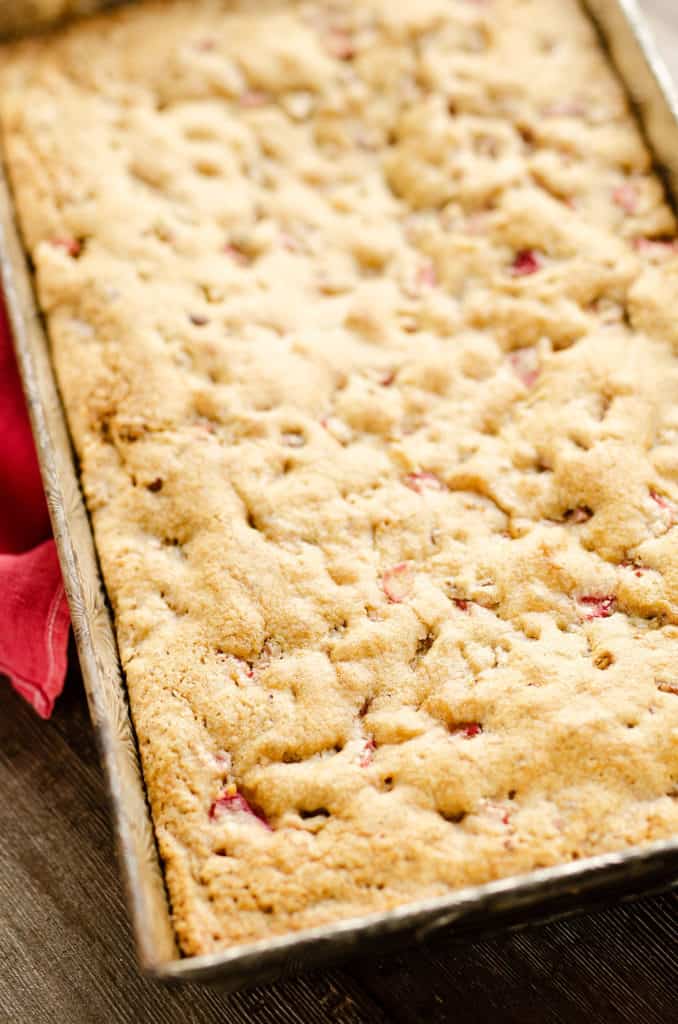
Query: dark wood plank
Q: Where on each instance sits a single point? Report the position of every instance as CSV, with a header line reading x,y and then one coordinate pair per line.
x,y
617,967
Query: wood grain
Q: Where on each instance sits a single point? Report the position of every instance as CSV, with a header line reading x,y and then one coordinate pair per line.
x,y
66,952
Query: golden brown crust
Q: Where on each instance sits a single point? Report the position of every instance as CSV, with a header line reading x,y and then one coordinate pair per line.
x,y
359,315
29,15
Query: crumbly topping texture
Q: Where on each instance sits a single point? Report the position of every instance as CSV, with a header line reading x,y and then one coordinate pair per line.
x,y
363,315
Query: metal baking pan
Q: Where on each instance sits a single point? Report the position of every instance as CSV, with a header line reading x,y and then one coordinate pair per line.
x,y
517,901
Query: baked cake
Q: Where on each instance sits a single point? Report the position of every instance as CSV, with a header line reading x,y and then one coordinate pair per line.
x,y
363,315
22,15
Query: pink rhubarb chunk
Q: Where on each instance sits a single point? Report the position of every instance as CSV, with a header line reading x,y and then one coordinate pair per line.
x,y
244,671
340,44
397,582
638,570
656,246
367,755
71,245
526,262
235,803
421,482
426,276
236,254
626,197
664,503
466,729
598,607
582,514
252,98
525,364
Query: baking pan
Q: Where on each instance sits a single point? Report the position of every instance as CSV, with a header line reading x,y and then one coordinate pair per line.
x,y
512,902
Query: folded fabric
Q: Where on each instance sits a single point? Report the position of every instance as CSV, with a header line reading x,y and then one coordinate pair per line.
x,y
34,618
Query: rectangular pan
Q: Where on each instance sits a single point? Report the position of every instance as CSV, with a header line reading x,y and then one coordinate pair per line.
x,y
513,902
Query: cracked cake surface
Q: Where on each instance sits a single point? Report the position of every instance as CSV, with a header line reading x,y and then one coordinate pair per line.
x,y
363,318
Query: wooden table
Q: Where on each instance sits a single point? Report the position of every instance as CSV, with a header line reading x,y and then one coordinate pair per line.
x,y
66,952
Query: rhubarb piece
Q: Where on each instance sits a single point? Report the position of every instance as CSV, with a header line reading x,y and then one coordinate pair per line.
x,y
526,262
426,276
468,730
234,803
668,510
424,481
253,98
525,364
244,671
578,515
638,570
598,607
398,582
70,245
626,197
236,254
340,44
664,503
660,248
367,755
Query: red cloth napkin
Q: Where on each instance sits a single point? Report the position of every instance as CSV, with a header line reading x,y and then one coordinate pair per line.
x,y
34,618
